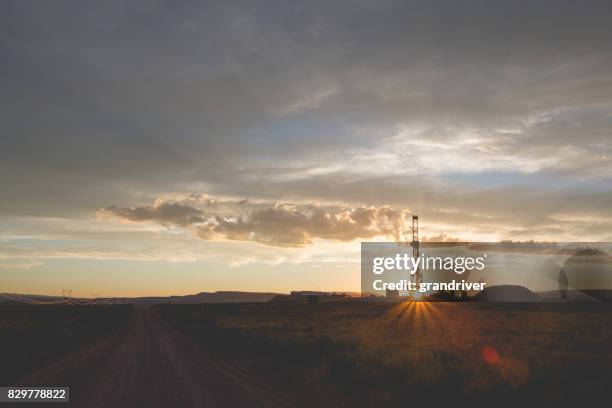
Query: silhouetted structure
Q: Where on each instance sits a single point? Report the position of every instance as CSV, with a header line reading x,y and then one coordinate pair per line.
x,y
392,293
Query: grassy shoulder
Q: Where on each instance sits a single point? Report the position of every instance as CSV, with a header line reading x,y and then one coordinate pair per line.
x,y
31,336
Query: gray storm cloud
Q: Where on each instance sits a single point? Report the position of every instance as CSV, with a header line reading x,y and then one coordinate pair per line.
x,y
284,225
164,213
492,116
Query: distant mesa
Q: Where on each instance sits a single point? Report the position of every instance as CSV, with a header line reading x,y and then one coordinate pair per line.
x,y
5,301
203,297
208,297
584,252
229,297
506,293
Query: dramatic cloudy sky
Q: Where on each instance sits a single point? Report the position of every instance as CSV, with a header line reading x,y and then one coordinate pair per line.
x,y
174,146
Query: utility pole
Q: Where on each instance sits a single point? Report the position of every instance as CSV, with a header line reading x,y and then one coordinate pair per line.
x,y
66,294
417,276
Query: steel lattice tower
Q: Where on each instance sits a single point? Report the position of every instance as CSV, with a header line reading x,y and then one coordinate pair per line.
x,y
417,276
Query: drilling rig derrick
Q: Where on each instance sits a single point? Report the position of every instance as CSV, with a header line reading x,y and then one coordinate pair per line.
x,y
417,277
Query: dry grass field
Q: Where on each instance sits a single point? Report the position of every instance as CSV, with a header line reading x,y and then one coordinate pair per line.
x,y
346,353
353,353
32,336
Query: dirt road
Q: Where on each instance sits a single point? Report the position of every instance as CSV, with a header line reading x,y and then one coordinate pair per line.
x,y
150,364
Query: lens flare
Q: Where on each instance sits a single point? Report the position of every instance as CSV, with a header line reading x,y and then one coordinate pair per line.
x,y
490,355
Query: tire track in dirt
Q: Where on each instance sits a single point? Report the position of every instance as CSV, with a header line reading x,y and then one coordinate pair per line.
x,y
151,364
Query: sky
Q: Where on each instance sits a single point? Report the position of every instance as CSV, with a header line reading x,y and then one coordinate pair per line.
x,y
173,147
